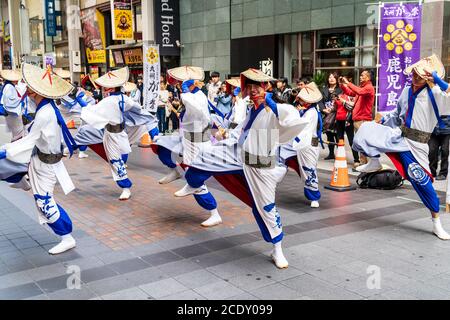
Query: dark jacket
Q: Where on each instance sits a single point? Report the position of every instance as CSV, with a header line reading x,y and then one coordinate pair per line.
x,y
329,120
446,129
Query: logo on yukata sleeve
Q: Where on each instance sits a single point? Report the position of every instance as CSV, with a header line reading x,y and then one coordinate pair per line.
x,y
417,174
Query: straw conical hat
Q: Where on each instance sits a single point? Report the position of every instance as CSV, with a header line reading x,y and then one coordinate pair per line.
x,y
253,75
114,79
44,82
88,80
11,75
310,93
129,87
232,83
65,74
185,73
431,63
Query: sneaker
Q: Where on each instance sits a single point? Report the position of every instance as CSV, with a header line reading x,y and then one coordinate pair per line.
x,y
373,165
441,177
188,190
82,155
126,195
172,176
330,157
315,204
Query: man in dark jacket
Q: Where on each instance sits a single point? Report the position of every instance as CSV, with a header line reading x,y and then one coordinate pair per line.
x,y
439,144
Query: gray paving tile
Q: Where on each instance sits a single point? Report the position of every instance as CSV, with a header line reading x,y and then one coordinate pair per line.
x,y
276,291
188,295
20,292
251,281
210,259
75,294
127,294
110,285
218,244
129,265
191,251
179,267
197,278
218,290
53,284
161,258
95,274
163,288
146,276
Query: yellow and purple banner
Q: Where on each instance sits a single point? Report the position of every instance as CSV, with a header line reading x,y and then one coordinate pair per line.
x,y
400,29
122,19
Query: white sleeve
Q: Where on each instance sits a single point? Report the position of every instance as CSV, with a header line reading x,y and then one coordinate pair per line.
x,y
11,99
20,151
130,104
290,123
442,100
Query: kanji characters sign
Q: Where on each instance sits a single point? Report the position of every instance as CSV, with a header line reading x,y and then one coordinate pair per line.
x,y
152,74
400,28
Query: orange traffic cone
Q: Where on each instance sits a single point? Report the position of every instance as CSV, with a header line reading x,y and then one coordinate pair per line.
x,y
71,124
146,141
339,179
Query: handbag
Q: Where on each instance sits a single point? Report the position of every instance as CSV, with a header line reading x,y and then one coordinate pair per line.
x,y
329,121
381,180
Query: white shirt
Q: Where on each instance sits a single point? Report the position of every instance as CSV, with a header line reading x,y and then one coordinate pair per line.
x,y
197,116
268,130
11,100
309,132
45,134
212,91
108,111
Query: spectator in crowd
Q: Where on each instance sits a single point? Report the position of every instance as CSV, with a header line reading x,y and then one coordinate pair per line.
x,y
330,93
174,111
439,145
224,100
136,95
162,105
301,83
365,98
344,123
214,86
140,85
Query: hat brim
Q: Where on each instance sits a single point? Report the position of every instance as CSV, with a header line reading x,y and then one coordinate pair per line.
x,y
431,63
11,75
310,94
114,79
185,73
44,83
232,83
129,87
253,75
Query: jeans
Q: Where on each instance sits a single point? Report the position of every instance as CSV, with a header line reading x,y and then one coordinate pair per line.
x,y
439,144
161,115
342,129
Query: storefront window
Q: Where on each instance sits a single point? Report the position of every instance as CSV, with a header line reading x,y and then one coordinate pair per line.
x,y
336,51
138,15
35,33
307,57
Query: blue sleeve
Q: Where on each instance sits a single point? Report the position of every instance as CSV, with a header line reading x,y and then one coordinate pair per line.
x,y
2,154
186,85
272,104
439,82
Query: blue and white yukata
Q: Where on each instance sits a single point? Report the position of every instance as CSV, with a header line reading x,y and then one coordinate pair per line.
x,y
11,108
110,111
71,107
420,110
258,137
195,121
302,156
46,134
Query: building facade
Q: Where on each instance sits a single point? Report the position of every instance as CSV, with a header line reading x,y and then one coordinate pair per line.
x,y
301,37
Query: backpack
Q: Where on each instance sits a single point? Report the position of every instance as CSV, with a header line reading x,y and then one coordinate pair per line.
x,y
382,180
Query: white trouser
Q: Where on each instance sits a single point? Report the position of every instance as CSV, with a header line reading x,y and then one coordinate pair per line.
x,y
308,159
263,184
116,145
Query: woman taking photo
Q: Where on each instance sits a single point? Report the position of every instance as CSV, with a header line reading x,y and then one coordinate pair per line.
x,y
330,93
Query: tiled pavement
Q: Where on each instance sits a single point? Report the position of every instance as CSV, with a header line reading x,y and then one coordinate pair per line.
x,y
153,247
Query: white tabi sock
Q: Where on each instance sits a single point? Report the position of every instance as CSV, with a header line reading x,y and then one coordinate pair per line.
x,y
438,230
172,176
67,243
278,256
214,220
